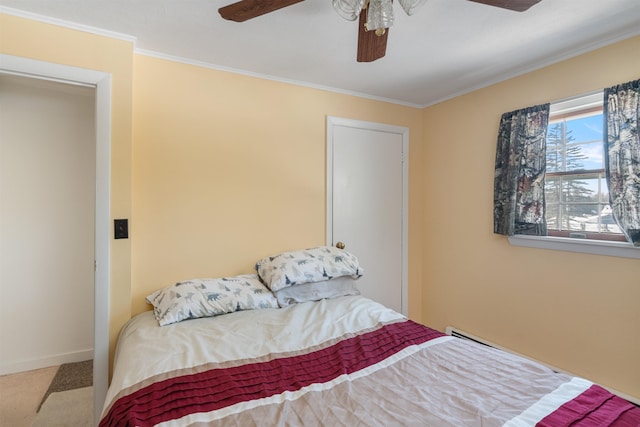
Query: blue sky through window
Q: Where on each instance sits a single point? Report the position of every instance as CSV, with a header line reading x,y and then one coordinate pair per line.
x,y
588,129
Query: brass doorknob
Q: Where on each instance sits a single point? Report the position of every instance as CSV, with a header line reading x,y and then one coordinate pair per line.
x,y
340,245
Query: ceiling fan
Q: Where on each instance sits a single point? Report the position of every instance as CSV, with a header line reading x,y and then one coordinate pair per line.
x,y
375,17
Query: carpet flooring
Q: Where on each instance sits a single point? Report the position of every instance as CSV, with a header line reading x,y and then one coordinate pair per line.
x,y
71,408
21,393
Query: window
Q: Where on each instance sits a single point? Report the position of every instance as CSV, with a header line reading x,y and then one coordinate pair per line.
x,y
576,193
578,214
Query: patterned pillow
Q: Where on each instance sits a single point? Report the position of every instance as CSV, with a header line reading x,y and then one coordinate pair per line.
x,y
196,298
306,266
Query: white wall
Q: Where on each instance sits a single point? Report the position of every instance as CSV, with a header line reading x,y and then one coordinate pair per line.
x,y
47,204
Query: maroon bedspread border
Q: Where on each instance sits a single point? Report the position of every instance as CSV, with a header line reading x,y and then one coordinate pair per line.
x,y
595,407
217,388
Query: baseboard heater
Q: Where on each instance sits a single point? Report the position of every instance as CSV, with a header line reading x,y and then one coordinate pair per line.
x,y
450,330
454,332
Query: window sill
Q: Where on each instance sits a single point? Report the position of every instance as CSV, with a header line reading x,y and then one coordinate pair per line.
x,y
617,249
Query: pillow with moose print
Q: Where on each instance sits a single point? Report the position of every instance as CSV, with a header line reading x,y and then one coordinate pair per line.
x,y
197,298
307,266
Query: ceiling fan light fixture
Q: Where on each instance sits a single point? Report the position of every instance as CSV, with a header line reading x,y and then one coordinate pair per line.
x,y
379,15
411,6
348,9
375,17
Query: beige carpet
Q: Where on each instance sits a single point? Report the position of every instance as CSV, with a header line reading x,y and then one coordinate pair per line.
x,y
21,394
67,408
24,395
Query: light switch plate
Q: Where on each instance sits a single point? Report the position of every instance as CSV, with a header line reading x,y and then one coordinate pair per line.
x,y
121,228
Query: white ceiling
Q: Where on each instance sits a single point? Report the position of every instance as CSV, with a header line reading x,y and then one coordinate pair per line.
x,y
449,47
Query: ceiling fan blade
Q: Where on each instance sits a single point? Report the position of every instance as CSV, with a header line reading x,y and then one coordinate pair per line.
x,y
370,45
515,5
247,9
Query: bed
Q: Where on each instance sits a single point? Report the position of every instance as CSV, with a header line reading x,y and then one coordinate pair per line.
x,y
336,361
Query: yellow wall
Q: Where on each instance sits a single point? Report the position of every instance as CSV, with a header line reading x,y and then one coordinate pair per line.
x,y
578,312
50,43
230,168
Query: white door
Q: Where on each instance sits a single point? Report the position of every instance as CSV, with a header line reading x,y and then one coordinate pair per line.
x,y
367,203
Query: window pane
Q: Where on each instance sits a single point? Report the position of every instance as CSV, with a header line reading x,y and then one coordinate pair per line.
x,y
575,144
585,128
582,218
608,224
579,189
552,215
599,222
587,156
555,147
552,191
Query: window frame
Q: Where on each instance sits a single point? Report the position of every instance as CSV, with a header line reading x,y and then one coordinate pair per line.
x,y
625,249
599,174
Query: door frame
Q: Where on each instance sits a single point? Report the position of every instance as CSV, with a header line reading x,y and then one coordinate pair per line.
x,y
333,122
102,83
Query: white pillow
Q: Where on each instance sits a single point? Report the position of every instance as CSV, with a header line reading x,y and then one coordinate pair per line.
x,y
307,266
315,291
196,298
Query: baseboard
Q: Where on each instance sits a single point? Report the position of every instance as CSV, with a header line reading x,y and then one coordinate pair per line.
x,y
45,362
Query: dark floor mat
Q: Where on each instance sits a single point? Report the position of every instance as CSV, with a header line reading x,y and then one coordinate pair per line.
x,y
69,377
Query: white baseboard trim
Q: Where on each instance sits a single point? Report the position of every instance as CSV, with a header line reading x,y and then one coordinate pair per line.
x,y
45,362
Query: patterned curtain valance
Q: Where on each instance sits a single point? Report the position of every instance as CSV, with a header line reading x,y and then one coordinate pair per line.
x,y
622,156
519,204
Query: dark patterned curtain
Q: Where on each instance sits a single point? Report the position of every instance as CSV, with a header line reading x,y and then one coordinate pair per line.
x,y
519,204
622,156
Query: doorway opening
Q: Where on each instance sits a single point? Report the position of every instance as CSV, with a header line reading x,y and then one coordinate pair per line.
x,y
101,82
